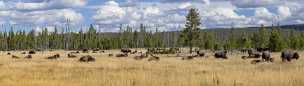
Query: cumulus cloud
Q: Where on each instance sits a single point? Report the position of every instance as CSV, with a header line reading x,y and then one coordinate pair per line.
x,y
50,17
284,11
45,4
109,13
163,14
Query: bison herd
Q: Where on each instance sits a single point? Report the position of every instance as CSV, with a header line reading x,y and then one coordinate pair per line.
x,y
258,55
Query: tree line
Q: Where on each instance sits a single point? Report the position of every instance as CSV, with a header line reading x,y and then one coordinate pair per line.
x,y
192,35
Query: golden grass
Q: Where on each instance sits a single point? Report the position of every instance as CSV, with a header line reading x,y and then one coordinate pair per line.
x,y
169,71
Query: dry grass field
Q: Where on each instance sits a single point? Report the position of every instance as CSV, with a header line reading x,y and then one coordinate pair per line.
x,y
169,71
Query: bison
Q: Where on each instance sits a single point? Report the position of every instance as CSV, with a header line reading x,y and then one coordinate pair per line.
x,y
153,58
266,56
28,57
221,54
70,55
122,55
32,52
56,56
200,53
87,58
23,53
125,50
110,55
15,57
85,51
255,61
8,53
141,56
189,57
289,55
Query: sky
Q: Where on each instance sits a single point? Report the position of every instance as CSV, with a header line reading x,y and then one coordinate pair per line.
x,y
107,15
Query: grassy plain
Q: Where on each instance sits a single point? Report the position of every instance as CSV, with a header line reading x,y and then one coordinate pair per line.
x,y
169,71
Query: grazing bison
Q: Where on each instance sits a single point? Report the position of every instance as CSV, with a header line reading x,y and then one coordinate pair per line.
x,y
125,50
266,56
54,56
32,52
70,55
141,56
153,58
85,51
87,58
252,54
110,55
221,54
28,57
96,50
255,61
8,53
289,55
134,52
122,55
189,57
23,53
200,53
15,57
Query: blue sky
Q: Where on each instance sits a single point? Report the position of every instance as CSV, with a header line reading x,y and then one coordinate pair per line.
x,y
107,15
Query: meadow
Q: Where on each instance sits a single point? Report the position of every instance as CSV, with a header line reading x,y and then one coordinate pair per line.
x,y
169,71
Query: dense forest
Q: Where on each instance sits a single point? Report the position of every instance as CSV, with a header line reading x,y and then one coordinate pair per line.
x,y
273,37
233,38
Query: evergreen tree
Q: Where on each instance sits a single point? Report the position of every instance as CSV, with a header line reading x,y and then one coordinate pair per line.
x,y
261,38
276,41
294,40
190,33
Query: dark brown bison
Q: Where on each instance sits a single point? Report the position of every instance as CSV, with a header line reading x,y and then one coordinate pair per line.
x,y
141,56
254,54
221,54
70,55
28,57
96,50
110,55
122,55
200,53
289,55
134,52
125,50
266,56
85,51
87,58
189,57
32,52
23,53
255,61
8,53
15,57
56,56
153,58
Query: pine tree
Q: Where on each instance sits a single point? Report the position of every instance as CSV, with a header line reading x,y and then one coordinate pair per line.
x,y
294,40
261,38
190,33
276,41
245,41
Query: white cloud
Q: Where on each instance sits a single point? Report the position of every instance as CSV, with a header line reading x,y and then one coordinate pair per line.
x,y
30,6
109,12
46,17
284,11
262,12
